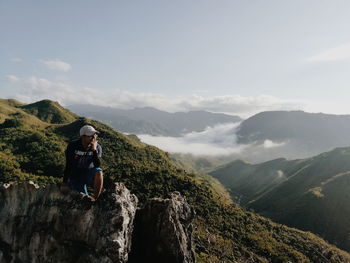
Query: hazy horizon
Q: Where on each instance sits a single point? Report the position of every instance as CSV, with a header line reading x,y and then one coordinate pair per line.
x,y
235,57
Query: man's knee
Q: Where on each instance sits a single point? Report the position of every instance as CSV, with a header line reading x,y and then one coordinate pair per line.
x,y
98,176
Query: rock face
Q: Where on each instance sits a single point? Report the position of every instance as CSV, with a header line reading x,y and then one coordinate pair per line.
x,y
42,225
163,232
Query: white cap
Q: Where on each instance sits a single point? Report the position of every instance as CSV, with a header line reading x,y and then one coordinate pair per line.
x,y
87,130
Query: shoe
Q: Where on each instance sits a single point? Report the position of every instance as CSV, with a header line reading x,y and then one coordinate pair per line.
x,y
92,199
88,198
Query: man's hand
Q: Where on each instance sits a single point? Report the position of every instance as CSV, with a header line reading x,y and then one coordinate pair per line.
x,y
64,189
93,143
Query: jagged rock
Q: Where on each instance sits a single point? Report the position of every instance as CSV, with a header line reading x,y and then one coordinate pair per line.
x,y
41,225
163,232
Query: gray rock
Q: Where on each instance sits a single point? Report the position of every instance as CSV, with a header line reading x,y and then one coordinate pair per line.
x,y
42,225
163,232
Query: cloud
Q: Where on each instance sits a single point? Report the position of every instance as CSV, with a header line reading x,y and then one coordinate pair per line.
x,y
280,175
271,144
213,141
13,79
341,52
219,140
244,106
34,88
56,65
16,60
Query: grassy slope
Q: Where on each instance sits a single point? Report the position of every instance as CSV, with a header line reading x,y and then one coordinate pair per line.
x,y
313,195
7,108
194,164
198,167
249,181
223,233
49,111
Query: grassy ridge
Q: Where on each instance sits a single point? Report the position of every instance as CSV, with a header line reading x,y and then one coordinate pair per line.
x,y
33,149
49,111
248,182
311,194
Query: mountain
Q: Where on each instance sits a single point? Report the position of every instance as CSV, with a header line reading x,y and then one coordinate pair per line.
x,y
49,111
149,120
300,134
311,194
33,149
196,164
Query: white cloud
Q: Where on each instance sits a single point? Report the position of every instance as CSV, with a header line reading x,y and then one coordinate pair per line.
x,y
341,52
56,65
178,145
13,79
34,89
220,140
244,106
328,106
280,175
271,144
213,141
16,60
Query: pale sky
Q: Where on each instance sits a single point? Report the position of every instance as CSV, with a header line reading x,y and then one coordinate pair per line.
x,y
225,56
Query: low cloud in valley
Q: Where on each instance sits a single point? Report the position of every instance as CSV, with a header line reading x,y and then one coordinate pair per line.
x,y
219,140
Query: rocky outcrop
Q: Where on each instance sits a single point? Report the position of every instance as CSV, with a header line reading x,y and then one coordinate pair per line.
x,y
40,225
163,232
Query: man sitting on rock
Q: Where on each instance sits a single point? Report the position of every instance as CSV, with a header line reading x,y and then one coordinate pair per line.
x,y
83,164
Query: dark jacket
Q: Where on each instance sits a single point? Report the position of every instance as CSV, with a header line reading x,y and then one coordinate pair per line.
x,y
80,160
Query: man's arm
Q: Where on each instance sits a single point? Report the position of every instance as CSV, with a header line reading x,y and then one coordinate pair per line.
x,y
96,152
97,155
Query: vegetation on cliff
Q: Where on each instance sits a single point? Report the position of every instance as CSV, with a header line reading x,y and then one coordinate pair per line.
x,y
311,194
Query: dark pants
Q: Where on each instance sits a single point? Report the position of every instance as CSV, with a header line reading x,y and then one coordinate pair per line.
x,y
81,182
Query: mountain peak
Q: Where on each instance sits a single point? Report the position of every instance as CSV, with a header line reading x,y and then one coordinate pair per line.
x,y
49,111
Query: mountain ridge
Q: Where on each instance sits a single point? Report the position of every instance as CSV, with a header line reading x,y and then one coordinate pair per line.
x,y
149,120
49,111
309,192
311,133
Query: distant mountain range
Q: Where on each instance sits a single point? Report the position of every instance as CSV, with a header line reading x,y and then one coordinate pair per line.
x,y
311,194
264,136
275,134
308,132
152,121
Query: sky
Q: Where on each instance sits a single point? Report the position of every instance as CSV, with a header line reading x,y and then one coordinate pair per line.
x,y
234,56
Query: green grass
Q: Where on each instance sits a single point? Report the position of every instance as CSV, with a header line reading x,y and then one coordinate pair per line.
x,y
50,112
312,195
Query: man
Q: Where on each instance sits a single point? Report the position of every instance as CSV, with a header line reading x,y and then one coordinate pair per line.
x,y
83,164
